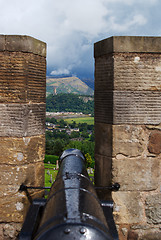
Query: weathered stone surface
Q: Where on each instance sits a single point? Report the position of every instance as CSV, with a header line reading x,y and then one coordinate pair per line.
x,y
8,190
128,71
104,73
154,127
137,107
103,139
27,174
2,42
151,235
127,97
128,207
137,72
17,43
155,142
22,127
144,234
153,208
132,235
10,231
128,44
119,107
20,75
136,174
12,208
21,120
128,140
22,150
22,78
39,174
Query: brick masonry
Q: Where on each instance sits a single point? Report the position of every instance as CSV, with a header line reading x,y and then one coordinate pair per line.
x,y
128,131
22,127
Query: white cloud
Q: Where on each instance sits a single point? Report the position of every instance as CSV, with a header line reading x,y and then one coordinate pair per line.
x,y
136,20
130,2
60,71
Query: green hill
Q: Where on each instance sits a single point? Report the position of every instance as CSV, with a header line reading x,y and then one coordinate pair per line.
x,y
70,103
67,85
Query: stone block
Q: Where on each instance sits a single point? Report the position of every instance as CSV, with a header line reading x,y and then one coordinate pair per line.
x,y
12,208
27,174
23,78
16,175
39,174
136,174
129,140
104,73
9,230
154,145
128,72
21,120
2,42
139,44
151,235
136,72
8,190
24,150
144,234
128,207
17,43
153,208
138,107
103,139
128,107
132,235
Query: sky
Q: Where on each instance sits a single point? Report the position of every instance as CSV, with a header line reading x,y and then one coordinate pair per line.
x,y
71,27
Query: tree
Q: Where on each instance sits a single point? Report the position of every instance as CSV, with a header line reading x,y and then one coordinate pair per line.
x,y
73,124
75,134
58,147
84,134
88,159
84,146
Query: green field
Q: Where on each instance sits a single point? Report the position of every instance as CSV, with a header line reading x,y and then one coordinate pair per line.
x,y
88,120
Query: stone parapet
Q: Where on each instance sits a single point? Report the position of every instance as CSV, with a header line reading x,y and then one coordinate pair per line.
x,y
128,131
22,127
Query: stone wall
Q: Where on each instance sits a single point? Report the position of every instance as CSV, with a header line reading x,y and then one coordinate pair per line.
x,y
128,131
22,126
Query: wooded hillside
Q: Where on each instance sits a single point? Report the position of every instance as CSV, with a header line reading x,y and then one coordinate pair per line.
x,y
70,103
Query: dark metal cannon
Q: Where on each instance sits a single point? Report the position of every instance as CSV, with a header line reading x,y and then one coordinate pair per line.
x,y
72,209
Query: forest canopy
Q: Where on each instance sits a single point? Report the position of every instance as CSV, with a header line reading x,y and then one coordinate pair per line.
x,y
66,102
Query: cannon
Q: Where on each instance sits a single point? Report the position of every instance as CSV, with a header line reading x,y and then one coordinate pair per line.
x,y
72,209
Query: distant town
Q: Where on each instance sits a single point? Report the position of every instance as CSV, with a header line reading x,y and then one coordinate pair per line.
x,y
64,115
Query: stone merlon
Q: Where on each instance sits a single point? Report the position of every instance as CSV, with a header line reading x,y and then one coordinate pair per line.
x,y
18,43
127,44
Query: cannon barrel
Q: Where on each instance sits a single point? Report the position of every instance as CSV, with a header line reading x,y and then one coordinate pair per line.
x,y
72,210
